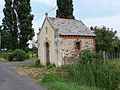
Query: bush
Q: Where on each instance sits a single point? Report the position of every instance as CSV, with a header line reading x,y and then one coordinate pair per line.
x,y
86,57
5,54
27,56
19,55
92,71
10,57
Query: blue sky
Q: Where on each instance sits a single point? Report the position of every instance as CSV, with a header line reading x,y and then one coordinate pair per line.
x,y
91,12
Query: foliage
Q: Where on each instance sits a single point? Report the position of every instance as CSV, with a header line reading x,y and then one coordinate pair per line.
x,y
23,10
11,57
50,77
55,82
9,31
116,45
0,36
50,66
27,56
86,57
65,9
37,63
19,55
104,38
17,24
5,54
94,72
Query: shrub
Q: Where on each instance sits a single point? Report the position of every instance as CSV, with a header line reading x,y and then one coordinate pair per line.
x,y
86,57
19,55
10,57
91,71
5,54
27,56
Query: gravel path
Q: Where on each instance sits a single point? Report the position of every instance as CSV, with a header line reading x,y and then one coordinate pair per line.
x,y
10,80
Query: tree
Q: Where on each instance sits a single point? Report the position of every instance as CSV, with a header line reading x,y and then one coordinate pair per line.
x,y
23,10
9,32
104,38
65,9
116,45
0,36
17,24
34,47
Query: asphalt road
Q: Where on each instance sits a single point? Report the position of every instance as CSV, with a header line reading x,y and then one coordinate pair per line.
x,y
11,80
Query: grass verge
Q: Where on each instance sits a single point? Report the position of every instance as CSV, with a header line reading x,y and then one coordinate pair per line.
x,y
54,82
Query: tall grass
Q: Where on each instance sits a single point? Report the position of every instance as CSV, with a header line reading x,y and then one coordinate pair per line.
x,y
89,73
92,71
55,82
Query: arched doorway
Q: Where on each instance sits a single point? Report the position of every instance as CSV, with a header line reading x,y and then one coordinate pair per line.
x,y
47,47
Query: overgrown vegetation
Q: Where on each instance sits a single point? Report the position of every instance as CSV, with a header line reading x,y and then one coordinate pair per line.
x,y
106,39
35,64
4,54
19,55
90,71
55,82
11,55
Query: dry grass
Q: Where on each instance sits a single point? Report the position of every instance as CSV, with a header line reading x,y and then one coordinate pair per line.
x,y
35,73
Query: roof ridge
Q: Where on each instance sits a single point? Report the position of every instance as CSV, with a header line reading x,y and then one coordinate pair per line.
x,y
65,18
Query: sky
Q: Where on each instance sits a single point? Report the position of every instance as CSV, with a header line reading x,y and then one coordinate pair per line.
x,y
91,12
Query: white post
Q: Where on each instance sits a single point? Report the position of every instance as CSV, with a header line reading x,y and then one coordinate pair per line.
x,y
104,56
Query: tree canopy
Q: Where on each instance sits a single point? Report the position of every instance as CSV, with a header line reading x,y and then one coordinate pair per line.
x,y
65,9
17,24
106,39
9,32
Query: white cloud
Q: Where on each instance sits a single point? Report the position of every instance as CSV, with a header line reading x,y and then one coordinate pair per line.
x,y
100,2
47,2
1,2
111,22
1,10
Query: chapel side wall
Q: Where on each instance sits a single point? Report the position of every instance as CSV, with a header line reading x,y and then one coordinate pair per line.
x,y
69,45
48,36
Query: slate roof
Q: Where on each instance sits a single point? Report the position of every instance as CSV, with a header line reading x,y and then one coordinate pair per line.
x,y
70,27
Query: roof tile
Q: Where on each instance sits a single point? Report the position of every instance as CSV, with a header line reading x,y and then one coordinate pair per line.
x,y
70,27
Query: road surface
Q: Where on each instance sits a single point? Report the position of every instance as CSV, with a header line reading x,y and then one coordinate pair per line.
x,y
11,80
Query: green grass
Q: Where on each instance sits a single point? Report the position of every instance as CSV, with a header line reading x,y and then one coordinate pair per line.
x,y
54,82
90,73
115,62
33,66
30,56
4,55
57,85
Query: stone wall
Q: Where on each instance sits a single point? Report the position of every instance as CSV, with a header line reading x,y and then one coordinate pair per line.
x,y
68,48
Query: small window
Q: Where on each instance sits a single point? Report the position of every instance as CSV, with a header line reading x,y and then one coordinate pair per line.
x,y
77,45
46,30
